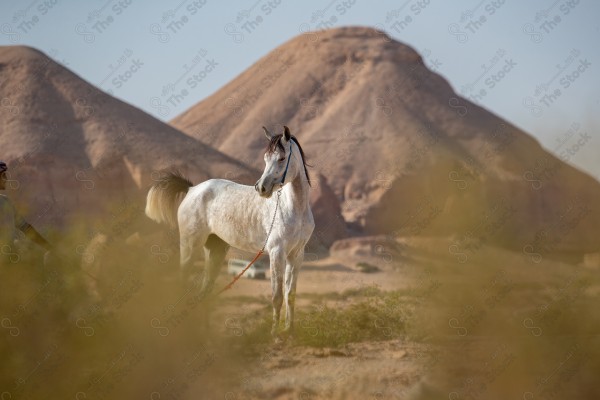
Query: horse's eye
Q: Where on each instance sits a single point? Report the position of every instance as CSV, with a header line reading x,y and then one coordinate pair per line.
x,y
281,159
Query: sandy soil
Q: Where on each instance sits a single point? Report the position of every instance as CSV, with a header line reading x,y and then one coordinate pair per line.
x,y
318,277
358,370
491,355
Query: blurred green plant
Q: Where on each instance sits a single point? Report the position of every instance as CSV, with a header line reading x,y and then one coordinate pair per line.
x,y
356,315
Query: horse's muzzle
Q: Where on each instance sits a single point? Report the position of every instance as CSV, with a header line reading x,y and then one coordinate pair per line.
x,y
262,190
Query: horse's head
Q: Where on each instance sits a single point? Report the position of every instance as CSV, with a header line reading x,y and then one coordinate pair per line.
x,y
283,160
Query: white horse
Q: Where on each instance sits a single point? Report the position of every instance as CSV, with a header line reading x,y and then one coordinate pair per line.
x,y
219,213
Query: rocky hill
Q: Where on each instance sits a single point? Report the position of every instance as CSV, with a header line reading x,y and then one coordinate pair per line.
x,y
403,153
75,150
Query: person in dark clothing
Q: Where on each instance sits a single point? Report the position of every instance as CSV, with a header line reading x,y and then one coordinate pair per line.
x,y
11,221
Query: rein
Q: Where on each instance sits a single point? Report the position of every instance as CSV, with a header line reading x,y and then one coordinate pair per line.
x,y
287,165
261,251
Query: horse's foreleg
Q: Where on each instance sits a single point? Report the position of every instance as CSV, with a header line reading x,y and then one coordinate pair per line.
x,y
277,265
291,278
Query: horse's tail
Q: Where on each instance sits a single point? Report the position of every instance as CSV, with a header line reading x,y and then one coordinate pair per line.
x,y
165,196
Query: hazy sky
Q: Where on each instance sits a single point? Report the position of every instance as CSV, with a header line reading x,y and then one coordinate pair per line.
x,y
535,63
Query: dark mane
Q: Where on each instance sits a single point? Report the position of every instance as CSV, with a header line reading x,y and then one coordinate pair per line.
x,y
275,143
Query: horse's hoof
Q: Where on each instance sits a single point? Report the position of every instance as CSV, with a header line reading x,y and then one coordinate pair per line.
x,y
278,340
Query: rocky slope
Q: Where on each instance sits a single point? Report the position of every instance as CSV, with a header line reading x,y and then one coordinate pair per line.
x,y
403,153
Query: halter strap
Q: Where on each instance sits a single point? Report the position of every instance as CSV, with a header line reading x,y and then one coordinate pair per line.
x,y
287,165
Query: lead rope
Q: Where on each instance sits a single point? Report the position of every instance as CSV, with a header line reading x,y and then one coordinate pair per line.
x,y
260,252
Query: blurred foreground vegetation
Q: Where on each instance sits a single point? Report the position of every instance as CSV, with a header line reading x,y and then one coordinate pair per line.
x,y
497,327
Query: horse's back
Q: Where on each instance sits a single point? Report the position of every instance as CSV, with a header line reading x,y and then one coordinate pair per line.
x,y
200,197
221,207
218,189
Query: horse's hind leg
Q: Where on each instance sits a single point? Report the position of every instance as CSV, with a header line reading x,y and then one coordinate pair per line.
x,y
215,250
189,245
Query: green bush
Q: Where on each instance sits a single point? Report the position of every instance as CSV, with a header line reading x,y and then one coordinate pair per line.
x,y
364,314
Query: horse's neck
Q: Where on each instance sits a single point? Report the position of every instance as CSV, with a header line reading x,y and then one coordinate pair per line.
x,y
298,193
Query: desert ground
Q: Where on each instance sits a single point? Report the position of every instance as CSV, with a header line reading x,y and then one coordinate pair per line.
x,y
422,326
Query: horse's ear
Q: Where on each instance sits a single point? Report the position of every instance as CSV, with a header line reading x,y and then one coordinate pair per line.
x,y
267,134
286,133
